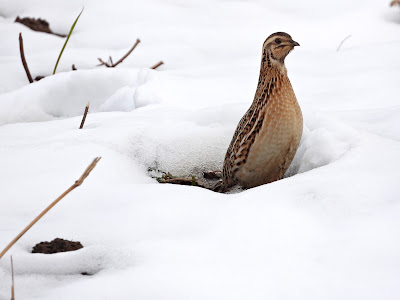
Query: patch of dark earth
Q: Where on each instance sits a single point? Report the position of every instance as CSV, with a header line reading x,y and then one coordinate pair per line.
x,y
37,25
55,246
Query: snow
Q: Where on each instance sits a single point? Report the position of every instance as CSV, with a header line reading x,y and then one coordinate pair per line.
x,y
328,230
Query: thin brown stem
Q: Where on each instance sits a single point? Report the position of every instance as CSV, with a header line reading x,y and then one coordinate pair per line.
x,y
111,64
21,50
74,68
157,65
103,63
127,54
75,185
84,115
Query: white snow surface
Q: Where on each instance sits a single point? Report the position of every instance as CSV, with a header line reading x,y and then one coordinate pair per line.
x,y
329,230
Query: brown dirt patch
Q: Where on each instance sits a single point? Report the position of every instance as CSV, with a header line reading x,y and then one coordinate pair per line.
x,y
37,25
55,246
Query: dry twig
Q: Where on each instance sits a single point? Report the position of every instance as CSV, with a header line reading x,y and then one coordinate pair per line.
x,y
157,65
104,63
21,50
74,68
75,185
111,65
84,115
181,181
12,280
342,42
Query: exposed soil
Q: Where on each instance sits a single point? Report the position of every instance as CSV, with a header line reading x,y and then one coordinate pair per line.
x,y
395,2
37,78
55,246
37,25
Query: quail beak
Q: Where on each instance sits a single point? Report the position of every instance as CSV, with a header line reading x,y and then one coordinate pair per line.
x,y
294,43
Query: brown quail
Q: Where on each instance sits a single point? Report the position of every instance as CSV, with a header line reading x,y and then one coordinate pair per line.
x,y
268,135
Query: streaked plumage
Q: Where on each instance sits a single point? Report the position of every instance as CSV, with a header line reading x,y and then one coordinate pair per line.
x,y
268,135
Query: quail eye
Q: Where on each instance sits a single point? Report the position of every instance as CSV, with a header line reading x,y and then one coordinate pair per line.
x,y
278,41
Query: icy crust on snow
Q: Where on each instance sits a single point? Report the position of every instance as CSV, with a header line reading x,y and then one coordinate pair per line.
x,y
66,95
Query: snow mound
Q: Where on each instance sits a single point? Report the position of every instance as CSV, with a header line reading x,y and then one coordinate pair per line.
x,y
324,141
66,95
90,260
176,144
183,145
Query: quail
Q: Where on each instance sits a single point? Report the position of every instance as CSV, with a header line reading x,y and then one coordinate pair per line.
x,y
268,135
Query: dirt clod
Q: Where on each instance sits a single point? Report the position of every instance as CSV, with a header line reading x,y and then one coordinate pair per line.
x,y
37,78
55,246
37,25
395,2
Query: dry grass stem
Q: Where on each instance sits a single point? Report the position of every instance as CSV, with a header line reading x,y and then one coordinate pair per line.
x,y
103,63
127,54
84,115
75,185
12,280
111,64
157,65
342,42
21,50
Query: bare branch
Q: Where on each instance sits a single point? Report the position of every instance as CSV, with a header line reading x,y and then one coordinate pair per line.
x,y
104,63
127,54
21,50
84,115
75,185
157,65
112,65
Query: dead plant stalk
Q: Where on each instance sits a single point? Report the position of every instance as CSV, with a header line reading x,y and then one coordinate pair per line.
x,y
84,115
21,50
111,65
157,65
75,185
